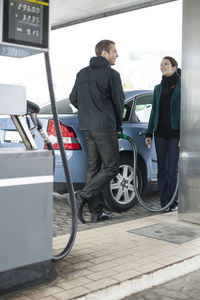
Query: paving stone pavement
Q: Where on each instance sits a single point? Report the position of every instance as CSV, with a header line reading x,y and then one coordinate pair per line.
x,y
186,287
62,213
182,288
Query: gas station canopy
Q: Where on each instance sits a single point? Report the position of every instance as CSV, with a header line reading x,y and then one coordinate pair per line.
x,y
69,12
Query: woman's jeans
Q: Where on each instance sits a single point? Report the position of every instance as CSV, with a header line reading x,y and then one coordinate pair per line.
x,y
168,157
103,165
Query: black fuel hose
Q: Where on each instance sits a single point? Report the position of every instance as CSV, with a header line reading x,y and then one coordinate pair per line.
x,y
128,138
65,163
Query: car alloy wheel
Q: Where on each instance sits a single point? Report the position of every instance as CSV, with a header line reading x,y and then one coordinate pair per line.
x,y
119,195
122,188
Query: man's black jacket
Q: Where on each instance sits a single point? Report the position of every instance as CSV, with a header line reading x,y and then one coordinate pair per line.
x,y
98,96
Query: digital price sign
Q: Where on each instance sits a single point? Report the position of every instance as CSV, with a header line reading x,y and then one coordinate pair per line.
x,y
25,23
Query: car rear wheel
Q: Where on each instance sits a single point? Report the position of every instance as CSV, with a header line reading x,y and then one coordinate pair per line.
x,y
119,195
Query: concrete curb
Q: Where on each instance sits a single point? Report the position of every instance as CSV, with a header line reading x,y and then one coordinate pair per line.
x,y
145,281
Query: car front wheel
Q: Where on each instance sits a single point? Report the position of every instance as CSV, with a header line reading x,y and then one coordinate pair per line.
x,y
119,195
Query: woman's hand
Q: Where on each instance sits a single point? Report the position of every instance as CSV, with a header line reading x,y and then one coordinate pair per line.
x,y
148,142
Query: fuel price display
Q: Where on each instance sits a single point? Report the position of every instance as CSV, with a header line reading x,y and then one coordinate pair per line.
x,y
27,21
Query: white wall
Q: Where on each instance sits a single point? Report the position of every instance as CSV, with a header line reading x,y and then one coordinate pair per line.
x,y
151,33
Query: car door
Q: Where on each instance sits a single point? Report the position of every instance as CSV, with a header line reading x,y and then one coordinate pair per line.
x,y
136,126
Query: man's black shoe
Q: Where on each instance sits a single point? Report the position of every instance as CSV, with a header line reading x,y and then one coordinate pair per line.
x,y
80,204
100,218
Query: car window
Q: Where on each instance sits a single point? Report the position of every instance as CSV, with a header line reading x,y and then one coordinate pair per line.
x,y
63,106
127,110
143,107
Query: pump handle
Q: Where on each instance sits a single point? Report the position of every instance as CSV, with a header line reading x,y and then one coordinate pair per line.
x,y
32,108
122,136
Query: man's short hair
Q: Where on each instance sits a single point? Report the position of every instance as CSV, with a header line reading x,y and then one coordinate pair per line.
x,y
103,45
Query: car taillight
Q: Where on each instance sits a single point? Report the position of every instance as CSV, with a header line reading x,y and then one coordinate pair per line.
x,y
69,136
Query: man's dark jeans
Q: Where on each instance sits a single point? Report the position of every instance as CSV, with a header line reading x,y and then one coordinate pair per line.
x,y
168,157
103,165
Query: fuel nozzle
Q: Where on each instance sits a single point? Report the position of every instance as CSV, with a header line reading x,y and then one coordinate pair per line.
x,y
32,110
124,137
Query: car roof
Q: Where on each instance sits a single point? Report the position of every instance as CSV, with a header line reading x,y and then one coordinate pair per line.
x,y
134,93
129,94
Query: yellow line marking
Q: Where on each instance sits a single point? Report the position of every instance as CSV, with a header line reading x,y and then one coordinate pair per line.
x,y
38,2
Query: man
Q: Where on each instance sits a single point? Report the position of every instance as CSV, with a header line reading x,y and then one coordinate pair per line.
x,y
99,98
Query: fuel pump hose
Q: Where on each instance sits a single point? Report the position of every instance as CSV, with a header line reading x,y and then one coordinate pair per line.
x,y
65,163
128,138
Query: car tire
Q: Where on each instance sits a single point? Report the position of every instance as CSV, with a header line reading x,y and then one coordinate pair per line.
x,y
119,195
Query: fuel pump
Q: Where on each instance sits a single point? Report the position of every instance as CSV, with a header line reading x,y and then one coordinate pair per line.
x,y
26,176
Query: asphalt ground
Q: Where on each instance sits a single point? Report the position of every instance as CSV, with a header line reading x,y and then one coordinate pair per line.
x,y
186,287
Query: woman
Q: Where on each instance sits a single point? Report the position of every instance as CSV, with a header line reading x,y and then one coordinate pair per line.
x,y
164,123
